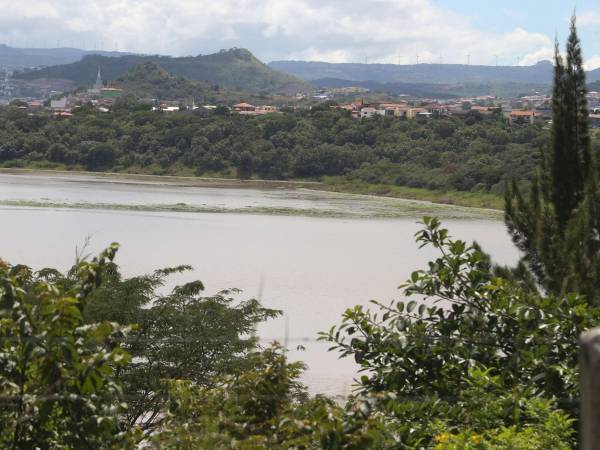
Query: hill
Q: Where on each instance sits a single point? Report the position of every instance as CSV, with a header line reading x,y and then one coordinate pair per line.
x,y
19,58
436,90
149,80
540,73
236,69
594,86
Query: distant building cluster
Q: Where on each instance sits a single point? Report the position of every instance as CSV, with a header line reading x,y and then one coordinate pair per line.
x,y
250,110
528,110
401,110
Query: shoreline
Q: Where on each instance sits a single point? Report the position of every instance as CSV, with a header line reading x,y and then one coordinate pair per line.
x,y
330,185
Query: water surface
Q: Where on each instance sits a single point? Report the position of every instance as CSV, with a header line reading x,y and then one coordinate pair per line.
x,y
310,267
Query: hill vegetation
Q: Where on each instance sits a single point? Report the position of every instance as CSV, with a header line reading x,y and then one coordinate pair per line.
x,y
149,80
540,73
436,90
235,69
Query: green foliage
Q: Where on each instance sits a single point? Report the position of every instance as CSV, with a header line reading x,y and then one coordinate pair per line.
x,y
468,326
180,335
57,373
445,154
149,80
240,411
264,406
540,423
556,224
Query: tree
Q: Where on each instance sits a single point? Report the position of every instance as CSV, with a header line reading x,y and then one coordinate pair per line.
x,y
57,373
476,351
556,224
180,335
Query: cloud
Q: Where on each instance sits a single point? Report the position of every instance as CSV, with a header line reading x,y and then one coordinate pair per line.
x,y
543,54
588,18
335,30
592,63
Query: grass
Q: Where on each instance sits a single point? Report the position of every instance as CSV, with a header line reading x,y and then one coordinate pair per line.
x,y
459,198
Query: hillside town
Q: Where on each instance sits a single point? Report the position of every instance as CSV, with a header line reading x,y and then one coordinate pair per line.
x,y
524,110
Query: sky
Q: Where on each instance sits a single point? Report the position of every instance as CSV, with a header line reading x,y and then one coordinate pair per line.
x,y
504,32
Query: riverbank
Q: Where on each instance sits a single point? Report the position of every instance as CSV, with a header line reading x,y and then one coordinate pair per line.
x,y
329,184
458,198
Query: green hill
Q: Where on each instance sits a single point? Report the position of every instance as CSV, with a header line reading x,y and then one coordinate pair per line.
x,y
149,80
235,69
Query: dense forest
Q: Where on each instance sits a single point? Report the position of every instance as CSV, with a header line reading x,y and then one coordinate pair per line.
x,y
472,153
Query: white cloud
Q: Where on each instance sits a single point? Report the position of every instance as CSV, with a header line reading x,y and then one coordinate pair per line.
x,y
588,18
543,54
335,30
592,63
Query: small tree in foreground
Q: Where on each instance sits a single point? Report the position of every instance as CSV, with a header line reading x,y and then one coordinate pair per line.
x,y
557,225
469,330
57,373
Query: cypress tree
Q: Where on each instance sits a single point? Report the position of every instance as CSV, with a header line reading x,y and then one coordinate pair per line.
x,y
556,224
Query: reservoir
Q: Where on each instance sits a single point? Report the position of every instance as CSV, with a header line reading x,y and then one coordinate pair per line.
x,y
311,254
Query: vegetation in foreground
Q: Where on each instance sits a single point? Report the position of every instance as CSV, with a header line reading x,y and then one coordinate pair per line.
x,y
93,360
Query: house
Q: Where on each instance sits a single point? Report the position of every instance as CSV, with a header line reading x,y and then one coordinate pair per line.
x,y
436,109
402,111
367,112
385,112
266,109
485,110
62,114
523,117
60,104
35,104
414,112
166,108
244,107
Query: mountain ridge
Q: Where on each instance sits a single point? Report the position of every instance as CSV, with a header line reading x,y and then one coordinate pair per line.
x,y
20,58
236,69
540,73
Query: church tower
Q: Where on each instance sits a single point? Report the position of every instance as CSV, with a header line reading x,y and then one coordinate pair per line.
x,y
98,83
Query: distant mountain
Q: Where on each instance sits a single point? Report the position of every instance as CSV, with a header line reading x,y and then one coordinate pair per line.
x,y
235,69
540,73
19,58
437,90
594,86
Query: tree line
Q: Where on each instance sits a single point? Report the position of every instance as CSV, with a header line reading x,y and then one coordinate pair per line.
x,y
472,153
